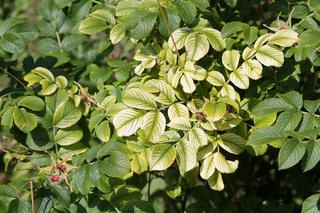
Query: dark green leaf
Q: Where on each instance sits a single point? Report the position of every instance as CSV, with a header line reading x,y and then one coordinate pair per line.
x,y
290,154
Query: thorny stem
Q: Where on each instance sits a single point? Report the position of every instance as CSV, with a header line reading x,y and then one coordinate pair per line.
x,y
166,23
32,197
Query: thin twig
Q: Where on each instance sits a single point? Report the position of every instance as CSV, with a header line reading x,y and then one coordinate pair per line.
x,y
166,23
32,197
14,77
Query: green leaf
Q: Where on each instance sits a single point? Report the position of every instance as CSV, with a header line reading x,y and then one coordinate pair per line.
x,y
66,115
173,20
264,135
187,83
187,11
72,41
154,125
214,37
7,118
312,106
232,28
187,156
82,179
270,56
8,191
38,139
269,106
214,111
250,34
61,82
197,137
117,165
232,143
239,79
139,99
104,15
127,122
178,110
284,38
179,36
92,25
125,7
7,24
216,78
293,98
12,43
19,206
231,3
180,123
223,165
207,168
68,136
26,30
288,120
47,45
312,155
290,153
23,120
216,182
162,156
264,121
309,38
197,46
143,25
43,73
117,33
311,204
32,102
230,59
103,131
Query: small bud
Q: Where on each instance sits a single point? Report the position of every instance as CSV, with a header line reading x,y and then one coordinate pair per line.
x,y
54,178
61,167
200,116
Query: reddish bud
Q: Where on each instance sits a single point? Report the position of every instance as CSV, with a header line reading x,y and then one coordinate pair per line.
x,y
200,116
61,167
54,178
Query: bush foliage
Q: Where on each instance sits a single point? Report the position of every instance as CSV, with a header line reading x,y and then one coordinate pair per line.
x,y
160,106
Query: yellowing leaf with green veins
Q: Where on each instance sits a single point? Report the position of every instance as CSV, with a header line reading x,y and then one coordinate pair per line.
x,y
31,102
104,15
44,73
270,56
178,110
163,155
239,79
223,165
284,38
103,131
179,36
92,25
262,40
216,78
230,59
232,143
23,120
187,156
166,92
48,87
264,121
214,111
198,137
248,53
216,182
128,121
154,125
252,68
61,81
214,37
180,123
139,163
66,115
207,168
197,46
229,91
187,83
139,99
117,33
68,136
169,136
199,74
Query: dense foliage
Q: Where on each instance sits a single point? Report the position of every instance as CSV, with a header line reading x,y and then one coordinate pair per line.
x,y
160,106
